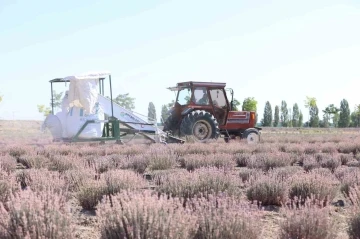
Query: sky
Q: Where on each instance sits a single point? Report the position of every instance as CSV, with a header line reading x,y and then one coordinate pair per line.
x,y
270,50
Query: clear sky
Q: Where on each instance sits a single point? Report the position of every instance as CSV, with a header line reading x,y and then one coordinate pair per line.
x,y
270,50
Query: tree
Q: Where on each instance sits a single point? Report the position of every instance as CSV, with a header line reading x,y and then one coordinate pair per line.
x,y
276,116
344,117
164,115
151,112
44,110
355,116
236,105
324,123
310,103
124,100
331,112
301,118
267,118
170,105
1,98
295,115
314,117
250,104
284,114
289,120
57,99
355,120
56,102
165,109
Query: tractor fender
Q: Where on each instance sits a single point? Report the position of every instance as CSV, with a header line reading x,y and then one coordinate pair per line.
x,y
249,130
186,111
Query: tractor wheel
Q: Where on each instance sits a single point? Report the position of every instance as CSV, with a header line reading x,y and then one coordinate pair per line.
x,y
251,136
201,125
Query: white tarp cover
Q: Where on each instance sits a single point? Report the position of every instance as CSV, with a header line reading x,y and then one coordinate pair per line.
x,y
84,90
62,117
76,118
52,122
65,103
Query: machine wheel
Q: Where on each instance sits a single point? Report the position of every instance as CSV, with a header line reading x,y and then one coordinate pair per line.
x,y
251,136
201,125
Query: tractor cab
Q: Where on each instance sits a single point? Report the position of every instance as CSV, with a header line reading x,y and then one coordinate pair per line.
x,y
206,96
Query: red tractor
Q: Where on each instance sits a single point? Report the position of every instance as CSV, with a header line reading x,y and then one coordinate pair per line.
x,y
202,110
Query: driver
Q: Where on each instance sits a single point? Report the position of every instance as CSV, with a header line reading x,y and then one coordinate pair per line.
x,y
204,100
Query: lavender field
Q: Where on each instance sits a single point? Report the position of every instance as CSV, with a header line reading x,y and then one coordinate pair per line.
x,y
296,183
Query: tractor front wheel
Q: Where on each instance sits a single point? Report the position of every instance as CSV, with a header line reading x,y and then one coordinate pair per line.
x,y
251,136
201,125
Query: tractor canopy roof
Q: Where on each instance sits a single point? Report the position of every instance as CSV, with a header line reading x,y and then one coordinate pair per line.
x,y
182,85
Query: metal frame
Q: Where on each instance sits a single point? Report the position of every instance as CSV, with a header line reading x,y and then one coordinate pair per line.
x,y
115,132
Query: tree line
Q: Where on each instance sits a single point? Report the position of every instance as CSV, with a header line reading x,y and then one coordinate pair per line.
x,y
283,116
332,116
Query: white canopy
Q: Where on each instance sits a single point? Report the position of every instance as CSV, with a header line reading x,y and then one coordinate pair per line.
x,y
83,90
88,75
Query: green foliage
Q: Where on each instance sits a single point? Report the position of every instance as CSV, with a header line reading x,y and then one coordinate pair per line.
x,y
324,123
355,117
301,118
249,104
289,121
336,120
276,116
151,112
236,105
56,102
164,114
44,110
284,114
125,101
331,109
1,98
314,116
171,104
344,117
331,112
165,109
295,115
310,103
57,99
267,120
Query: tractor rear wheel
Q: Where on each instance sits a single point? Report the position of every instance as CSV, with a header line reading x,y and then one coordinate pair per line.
x,y
201,125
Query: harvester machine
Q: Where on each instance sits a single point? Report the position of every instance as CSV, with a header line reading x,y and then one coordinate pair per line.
x,y
87,115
